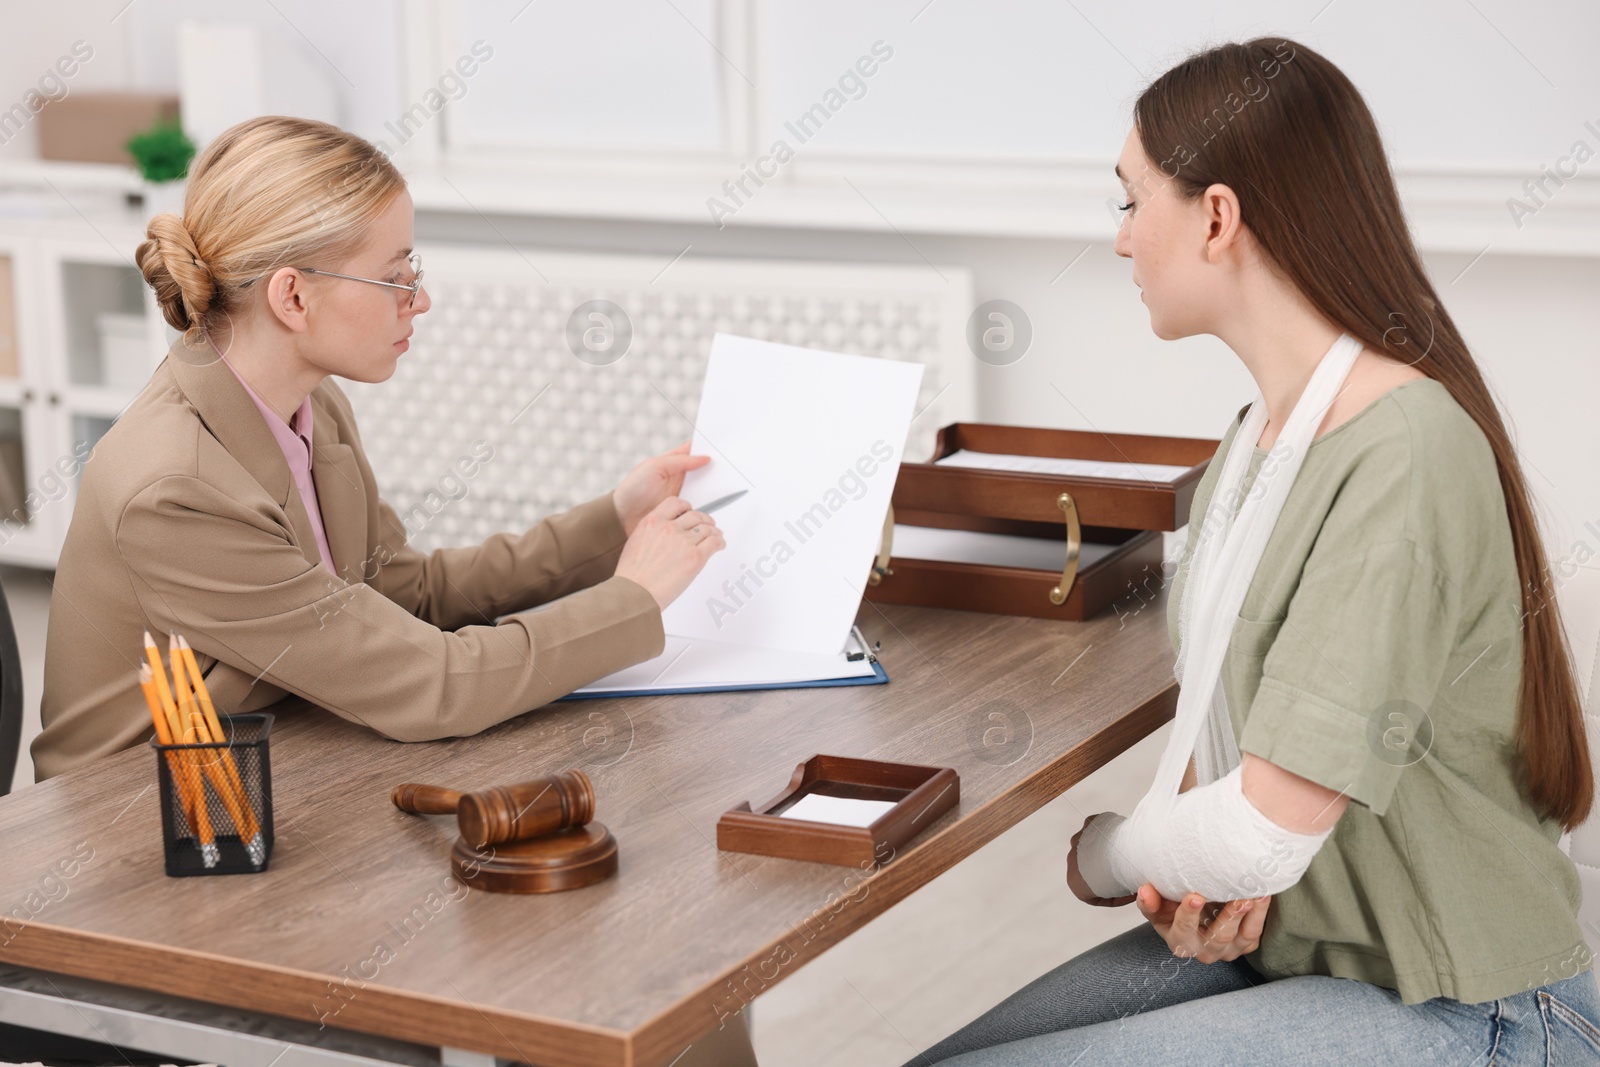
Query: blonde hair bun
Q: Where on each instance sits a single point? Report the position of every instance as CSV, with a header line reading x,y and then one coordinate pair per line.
x,y
173,267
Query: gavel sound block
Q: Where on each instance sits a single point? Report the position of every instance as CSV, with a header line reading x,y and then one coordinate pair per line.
x,y
532,837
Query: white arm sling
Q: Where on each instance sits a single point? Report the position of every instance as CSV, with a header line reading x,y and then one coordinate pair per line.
x,y
1211,840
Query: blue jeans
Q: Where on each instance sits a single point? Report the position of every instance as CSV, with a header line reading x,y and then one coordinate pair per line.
x,y
1131,1001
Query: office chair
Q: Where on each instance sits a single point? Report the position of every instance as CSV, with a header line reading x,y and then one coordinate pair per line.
x,y
10,697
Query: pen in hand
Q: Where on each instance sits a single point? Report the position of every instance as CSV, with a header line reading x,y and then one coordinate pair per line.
x,y
721,501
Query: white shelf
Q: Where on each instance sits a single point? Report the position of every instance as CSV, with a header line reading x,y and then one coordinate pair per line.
x,y
44,173
1462,212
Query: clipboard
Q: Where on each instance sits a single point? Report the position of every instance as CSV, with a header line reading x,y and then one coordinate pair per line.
x,y
856,651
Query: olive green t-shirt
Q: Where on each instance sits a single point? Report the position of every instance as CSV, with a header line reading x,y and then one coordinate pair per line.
x,y
1379,652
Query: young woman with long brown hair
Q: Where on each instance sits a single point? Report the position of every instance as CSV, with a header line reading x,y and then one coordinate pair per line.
x,y
1363,612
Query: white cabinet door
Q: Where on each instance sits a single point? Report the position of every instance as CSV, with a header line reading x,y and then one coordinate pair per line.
x,y
101,343
35,498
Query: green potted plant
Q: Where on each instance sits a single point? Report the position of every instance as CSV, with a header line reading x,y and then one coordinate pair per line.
x,y
162,153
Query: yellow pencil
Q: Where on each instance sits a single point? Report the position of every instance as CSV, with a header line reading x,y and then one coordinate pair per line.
x,y
164,692
189,717
213,722
225,791
158,716
209,853
200,690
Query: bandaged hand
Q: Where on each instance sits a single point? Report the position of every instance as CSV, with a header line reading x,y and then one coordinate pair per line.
x,y
1214,842
1079,887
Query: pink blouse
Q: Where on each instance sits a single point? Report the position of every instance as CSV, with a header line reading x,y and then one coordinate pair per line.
x,y
294,438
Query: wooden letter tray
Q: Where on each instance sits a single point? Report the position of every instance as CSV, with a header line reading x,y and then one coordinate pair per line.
x,y
1121,518
921,795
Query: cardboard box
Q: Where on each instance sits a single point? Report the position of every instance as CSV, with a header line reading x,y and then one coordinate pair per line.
x,y
96,127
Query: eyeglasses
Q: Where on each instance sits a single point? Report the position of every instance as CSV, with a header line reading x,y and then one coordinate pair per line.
x,y
415,259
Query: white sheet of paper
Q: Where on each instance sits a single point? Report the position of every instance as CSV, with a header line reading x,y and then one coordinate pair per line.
x,y
1078,468
840,811
995,550
688,663
816,438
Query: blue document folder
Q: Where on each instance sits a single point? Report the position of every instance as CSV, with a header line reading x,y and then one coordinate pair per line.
x,y
692,666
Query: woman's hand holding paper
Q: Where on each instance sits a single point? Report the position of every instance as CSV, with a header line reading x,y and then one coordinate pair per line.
x,y
652,481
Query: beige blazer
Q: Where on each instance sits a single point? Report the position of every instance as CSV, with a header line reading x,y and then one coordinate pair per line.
x,y
188,519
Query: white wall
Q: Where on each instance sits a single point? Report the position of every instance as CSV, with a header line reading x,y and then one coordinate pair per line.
x,y
1452,84
1025,78
1492,82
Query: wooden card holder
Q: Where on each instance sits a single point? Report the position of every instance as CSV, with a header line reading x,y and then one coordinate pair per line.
x,y
920,796
1122,517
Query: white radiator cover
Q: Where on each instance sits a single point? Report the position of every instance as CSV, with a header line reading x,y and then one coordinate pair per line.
x,y
491,422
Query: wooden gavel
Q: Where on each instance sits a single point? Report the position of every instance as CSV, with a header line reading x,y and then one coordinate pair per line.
x,y
502,813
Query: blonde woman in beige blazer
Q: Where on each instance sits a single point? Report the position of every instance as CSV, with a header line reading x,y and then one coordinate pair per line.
x,y
199,511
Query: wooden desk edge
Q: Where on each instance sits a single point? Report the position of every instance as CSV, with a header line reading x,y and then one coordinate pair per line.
x,y
370,1008
377,1009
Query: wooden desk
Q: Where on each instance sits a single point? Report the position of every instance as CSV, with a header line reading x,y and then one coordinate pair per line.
x,y
357,922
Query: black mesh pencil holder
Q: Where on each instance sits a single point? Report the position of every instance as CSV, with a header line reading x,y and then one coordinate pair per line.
x,y
216,800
